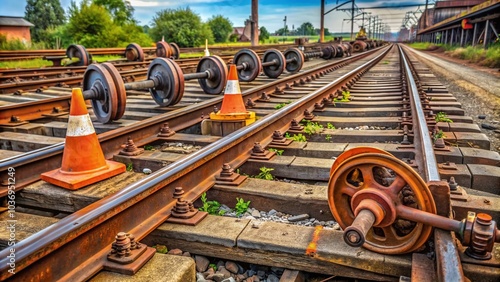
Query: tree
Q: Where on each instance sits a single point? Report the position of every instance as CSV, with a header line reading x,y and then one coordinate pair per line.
x,y
221,28
181,26
282,31
306,29
92,26
317,31
264,34
44,14
121,10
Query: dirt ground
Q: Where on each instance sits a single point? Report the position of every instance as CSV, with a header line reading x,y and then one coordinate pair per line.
x,y
475,99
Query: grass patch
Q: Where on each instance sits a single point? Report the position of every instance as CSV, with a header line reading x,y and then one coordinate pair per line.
x,y
489,57
105,58
192,55
486,57
35,63
420,45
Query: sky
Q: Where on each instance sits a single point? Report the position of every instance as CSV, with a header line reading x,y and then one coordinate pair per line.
x,y
271,12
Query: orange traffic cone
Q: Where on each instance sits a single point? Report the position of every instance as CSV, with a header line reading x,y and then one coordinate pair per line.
x,y
233,108
233,101
83,162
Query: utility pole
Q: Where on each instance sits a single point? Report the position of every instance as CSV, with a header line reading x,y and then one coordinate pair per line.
x,y
425,14
284,29
352,20
254,30
322,23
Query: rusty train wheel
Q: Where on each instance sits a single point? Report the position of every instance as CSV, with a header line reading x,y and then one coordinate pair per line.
x,y
252,62
297,60
218,74
163,50
98,77
353,152
276,70
171,87
176,51
120,90
78,51
134,52
393,178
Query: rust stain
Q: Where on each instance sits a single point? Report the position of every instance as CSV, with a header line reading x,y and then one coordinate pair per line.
x,y
312,247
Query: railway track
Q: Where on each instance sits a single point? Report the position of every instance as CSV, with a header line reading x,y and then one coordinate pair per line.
x,y
18,80
368,102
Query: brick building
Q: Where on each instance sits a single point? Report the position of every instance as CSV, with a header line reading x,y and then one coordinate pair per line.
x,y
15,27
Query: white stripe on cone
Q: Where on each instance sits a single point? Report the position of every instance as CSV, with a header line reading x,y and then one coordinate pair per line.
x,y
232,87
80,126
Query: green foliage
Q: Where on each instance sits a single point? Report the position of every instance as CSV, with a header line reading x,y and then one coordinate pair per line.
x,y
281,105
181,26
421,45
311,127
221,28
35,63
105,58
121,10
306,29
330,126
296,137
277,151
346,97
282,31
264,34
212,207
213,265
233,37
12,44
161,249
149,148
44,14
130,167
241,206
265,173
441,117
492,59
92,26
439,134
328,137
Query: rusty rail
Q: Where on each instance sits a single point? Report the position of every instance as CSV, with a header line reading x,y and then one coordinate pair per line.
x,y
449,267
75,247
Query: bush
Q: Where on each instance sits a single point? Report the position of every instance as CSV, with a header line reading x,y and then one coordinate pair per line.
x,y
12,44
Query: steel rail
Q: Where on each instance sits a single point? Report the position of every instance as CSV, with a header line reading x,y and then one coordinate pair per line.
x,y
28,170
449,267
422,140
75,247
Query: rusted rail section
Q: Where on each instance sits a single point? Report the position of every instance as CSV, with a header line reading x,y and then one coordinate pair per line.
x,y
449,267
79,243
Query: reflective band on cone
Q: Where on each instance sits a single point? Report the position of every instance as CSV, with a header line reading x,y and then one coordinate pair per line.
x,y
233,101
83,162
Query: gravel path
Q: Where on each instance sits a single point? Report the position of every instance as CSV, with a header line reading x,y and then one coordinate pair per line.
x,y
478,91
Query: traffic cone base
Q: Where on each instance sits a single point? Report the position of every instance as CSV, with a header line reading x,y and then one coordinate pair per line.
x,y
77,180
233,108
83,162
249,117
